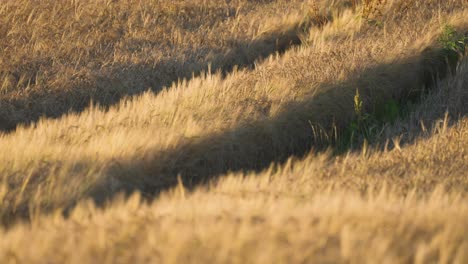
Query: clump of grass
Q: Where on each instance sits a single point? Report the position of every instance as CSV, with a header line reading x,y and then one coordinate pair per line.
x,y
372,7
452,40
453,46
315,16
441,59
365,126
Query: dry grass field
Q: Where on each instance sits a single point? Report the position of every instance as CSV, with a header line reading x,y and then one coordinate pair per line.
x,y
59,55
243,131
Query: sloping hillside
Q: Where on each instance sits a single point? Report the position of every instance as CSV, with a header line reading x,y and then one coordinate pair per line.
x,y
336,133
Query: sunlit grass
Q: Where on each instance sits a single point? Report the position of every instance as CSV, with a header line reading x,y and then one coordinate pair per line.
x,y
238,163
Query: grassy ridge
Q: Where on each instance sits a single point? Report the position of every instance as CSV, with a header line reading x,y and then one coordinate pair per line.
x,y
240,120
405,205
56,57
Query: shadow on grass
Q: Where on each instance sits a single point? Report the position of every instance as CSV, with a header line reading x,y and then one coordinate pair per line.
x,y
110,85
255,146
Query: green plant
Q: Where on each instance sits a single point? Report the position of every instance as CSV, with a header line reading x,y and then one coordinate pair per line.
x,y
368,126
452,40
443,59
387,111
362,128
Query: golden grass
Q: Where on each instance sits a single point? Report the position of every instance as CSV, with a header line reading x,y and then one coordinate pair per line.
x,y
57,56
403,204
406,205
